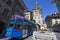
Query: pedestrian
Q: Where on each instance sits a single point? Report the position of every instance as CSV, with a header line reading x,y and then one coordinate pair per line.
x,y
38,27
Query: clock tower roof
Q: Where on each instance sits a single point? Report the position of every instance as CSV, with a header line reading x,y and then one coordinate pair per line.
x,y
36,6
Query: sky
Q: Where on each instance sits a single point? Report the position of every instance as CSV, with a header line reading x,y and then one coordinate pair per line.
x,y
48,7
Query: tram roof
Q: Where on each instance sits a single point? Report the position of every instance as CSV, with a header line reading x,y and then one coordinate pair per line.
x,y
22,18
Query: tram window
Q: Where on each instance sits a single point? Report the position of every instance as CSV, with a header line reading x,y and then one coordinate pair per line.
x,y
10,25
12,21
19,23
25,25
30,26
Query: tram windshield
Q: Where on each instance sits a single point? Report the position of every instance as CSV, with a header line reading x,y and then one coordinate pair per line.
x,y
18,24
11,23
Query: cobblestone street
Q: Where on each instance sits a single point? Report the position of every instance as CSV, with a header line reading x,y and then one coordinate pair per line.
x,y
4,39
29,38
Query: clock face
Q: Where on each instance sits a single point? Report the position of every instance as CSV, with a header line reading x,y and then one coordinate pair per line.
x,y
38,15
36,11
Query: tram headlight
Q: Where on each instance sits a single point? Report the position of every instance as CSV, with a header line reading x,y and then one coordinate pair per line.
x,y
8,32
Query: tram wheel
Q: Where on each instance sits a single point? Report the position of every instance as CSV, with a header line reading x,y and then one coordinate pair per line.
x,y
12,39
15,39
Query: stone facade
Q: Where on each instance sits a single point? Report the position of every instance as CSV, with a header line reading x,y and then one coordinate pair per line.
x,y
53,19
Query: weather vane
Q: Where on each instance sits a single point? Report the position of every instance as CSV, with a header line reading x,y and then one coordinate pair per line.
x,y
36,2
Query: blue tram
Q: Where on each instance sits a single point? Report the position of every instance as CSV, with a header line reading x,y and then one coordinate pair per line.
x,y
18,27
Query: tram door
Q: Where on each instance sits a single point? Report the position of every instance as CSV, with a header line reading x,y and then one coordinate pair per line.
x,y
25,25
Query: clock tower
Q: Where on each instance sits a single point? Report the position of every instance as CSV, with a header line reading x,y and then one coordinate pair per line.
x,y
37,14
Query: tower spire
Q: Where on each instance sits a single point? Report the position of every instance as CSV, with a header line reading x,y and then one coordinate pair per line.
x,y
36,2
54,12
36,7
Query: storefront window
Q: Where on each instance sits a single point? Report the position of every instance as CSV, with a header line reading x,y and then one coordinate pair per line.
x,y
11,23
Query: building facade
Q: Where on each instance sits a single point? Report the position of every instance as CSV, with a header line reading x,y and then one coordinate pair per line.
x,y
52,20
19,7
5,12
28,15
9,8
57,3
37,14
